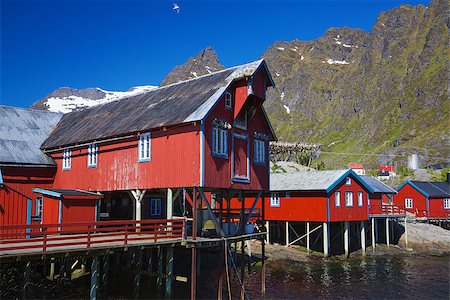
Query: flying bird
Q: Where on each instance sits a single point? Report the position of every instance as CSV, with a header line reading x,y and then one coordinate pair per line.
x,y
176,7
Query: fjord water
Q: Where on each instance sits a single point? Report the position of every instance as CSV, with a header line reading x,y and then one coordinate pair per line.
x,y
377,277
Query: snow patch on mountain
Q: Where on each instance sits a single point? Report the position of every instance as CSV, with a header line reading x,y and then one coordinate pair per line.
x,y
68,103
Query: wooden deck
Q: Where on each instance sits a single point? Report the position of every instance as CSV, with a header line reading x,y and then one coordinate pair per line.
x,y
386,211
37,240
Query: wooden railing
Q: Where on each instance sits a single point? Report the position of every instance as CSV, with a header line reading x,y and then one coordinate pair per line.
x,y
386,210
420,213
85,236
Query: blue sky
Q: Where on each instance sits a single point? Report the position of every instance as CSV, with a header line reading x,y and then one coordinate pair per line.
x,y
119,44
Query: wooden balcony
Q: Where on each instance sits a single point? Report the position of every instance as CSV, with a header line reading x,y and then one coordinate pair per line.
x,y
386,210
17,240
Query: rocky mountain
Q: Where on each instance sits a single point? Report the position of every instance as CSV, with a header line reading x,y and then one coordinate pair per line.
x,y
67,99
205,62
361,93
370,97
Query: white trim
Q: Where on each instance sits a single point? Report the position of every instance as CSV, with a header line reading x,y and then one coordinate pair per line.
x,y
233,177
360,199
145,147
228,100
67,159
409,203
275,200
337,199
92,155
446,203
349,199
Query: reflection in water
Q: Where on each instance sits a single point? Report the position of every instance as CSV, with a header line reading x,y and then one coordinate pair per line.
x,y
381,277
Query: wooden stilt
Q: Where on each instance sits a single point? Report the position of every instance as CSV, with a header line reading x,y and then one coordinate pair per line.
x,y
220,287
105,271
52,269
326,240
242,271
363,238
193,272
263,251
268,232
150,264
346,237
137,268
373,235
26,279
169,272
287,233
159,278
94,278
387,232
406,232
307,238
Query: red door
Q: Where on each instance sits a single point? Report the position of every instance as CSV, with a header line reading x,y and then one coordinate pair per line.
x,y
240,158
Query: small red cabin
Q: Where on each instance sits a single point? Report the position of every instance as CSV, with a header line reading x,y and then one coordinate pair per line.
x,y
317,196
430,200
381,197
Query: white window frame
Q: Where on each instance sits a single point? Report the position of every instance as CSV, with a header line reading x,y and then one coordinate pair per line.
x,y
409,203
39,206
446,203
348,181
259,152
274,200
337,199
92,155
145,147
67,159
360,198
228,100
349,199
155,207
219,142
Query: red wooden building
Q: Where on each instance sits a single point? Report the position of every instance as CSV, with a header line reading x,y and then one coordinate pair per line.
x,y
326,199
23,166
424,199
382,195
182,150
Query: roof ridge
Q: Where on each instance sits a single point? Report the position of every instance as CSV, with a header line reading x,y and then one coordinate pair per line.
x,y
432,184
30,109
206,75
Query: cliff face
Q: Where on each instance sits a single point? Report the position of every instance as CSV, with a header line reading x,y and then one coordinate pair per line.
x,y
205,62
381,92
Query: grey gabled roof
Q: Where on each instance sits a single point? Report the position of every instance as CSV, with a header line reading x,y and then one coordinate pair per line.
x,y
305,181
433,189
377,185
187,101
22,131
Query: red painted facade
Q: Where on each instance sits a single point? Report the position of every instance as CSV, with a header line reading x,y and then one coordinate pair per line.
x,y
17,199
421,205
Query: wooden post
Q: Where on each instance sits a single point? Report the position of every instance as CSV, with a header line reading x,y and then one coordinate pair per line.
x,y
137,253
373,235
159,278
169,271
363,238
219,287
287,233
268,232
105,271
346,237
193,272
263,250
406,232
242,271
307,237
150,264
387,232
326,240
52,269
94,279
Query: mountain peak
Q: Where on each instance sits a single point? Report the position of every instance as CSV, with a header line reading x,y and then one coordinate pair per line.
x,y
205,62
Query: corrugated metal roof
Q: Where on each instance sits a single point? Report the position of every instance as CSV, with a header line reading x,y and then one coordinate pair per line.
x,y
305,181
187,101
22,132
434,189
377,185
